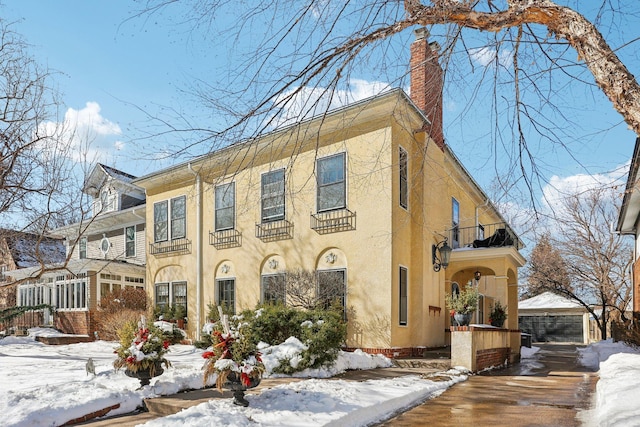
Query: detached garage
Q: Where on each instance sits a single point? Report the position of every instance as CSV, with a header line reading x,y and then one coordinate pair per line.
x,y
551,318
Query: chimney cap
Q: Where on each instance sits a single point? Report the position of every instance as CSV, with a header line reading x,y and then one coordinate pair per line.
x,y
421,33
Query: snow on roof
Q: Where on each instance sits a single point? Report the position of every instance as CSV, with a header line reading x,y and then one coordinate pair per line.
x,y
547,300
99,174
118,174
23,249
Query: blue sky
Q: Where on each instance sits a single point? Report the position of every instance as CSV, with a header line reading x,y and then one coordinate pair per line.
x,y
111,69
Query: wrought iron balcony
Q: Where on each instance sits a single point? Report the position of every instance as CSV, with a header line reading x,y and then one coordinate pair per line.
x,y
170,246
333,221
225,239
274,230
483,236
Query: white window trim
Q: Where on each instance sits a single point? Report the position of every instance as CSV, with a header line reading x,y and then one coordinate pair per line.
x,y
135,241
406,155
284,194
346,183
406,269
215,207
170,237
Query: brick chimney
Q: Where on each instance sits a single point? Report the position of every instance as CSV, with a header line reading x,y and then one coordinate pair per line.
x,y
427,82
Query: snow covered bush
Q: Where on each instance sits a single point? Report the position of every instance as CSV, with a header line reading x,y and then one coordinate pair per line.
x,y
322,332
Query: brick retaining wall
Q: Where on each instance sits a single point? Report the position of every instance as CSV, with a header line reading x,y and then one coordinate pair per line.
x,y
492,357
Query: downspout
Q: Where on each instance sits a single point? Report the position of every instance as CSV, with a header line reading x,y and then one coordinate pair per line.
x,y
198,250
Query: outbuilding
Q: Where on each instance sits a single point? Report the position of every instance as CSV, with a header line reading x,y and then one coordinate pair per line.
x,y
552,318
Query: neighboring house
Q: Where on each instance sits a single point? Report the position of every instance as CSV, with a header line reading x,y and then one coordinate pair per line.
x,y
105,252
363,195
628,221
553,318
20,250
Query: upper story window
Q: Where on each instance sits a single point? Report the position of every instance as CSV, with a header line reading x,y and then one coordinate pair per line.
x,y
82,248
169,219
106,203
332,192
3,271
404,178
272,190
455,223
130,241
225,213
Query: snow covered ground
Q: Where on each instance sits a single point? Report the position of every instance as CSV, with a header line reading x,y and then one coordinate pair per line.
x,y
616,401
44,385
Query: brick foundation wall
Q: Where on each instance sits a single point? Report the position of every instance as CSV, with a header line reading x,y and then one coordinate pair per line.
x,y
73,322
492,357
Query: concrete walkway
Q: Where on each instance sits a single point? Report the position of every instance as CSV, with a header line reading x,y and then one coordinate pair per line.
x,y
549,391
167,405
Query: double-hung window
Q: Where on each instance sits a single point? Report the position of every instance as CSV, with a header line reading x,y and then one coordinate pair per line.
x,y
331,181
130,241
332,289
82,248
272,189
162,295
169,219
455,223
171,295
403,312
273,289
178,218
404,178
226,294
179,295
225,206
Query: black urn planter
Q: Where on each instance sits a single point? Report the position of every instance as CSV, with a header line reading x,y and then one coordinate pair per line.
x,y
463,319
145,375
234,384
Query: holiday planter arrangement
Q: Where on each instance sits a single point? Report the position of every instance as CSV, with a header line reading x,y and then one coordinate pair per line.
x,y
141,352
234,360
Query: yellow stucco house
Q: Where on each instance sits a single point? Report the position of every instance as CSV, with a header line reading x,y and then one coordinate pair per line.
x,y
366,195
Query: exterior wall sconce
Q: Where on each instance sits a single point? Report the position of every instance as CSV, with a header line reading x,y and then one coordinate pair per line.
x,y
440,255
331,258
225,268
477,275
273,264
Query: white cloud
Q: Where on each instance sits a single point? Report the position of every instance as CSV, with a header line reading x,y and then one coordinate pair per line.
x,y
309,102
85,134
89,118
486,56
559,188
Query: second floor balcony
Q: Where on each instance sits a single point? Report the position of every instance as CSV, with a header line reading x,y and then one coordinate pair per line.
x,y
483,236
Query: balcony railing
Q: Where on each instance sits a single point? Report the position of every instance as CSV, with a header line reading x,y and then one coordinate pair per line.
x,y
225,239
274,230
333,221
170,246
483,236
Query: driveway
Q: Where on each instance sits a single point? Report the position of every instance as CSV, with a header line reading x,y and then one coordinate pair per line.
x,y
546,391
